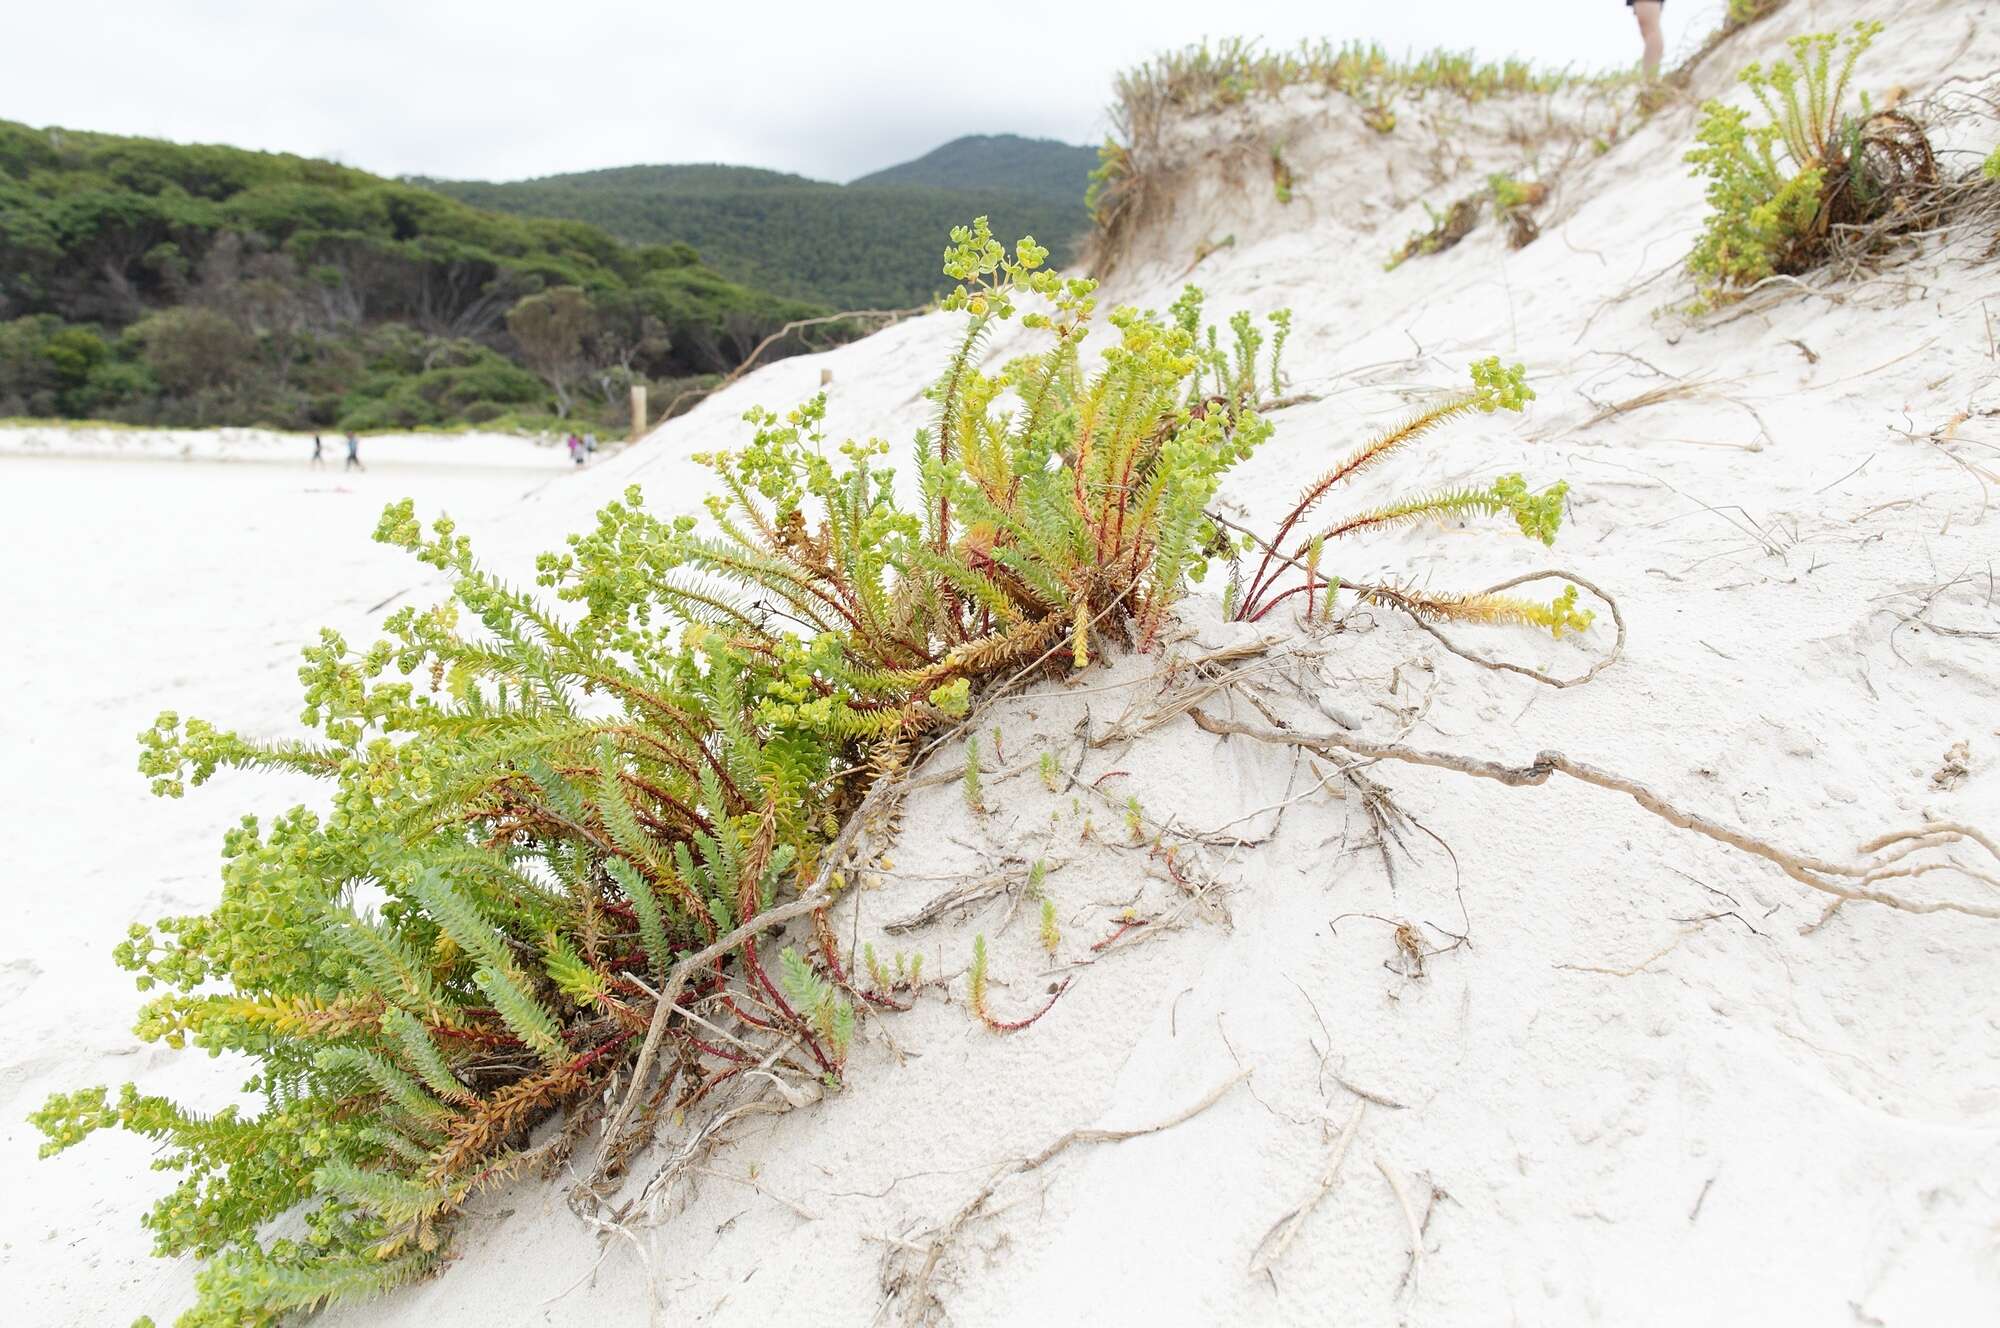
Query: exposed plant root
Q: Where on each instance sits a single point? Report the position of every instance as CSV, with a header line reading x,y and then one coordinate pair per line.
x,y
1633,970
656,1197
1285,1230
1413,1271
913,1286
1843,880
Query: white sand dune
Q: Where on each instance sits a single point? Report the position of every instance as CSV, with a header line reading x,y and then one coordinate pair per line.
x,y
1639,1095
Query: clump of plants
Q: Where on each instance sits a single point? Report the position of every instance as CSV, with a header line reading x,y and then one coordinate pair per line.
x,y
556,837
1446,230
1281,175
1742,13
1516,201
1780,194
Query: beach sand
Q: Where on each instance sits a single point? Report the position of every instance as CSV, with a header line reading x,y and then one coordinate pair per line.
x,y
1649,1089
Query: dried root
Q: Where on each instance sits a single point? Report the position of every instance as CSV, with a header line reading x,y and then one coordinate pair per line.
x,y
909,1281
1886,857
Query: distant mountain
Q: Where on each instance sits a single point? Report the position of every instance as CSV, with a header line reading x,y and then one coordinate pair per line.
x,y
875,243
1041,166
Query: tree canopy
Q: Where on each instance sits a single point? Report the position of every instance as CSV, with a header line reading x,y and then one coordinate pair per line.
x,y
156,282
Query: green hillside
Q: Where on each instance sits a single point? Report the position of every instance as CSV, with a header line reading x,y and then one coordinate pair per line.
x,y
1059,172
775,232
152,282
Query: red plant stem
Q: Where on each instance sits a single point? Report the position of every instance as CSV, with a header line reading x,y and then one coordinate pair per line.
x,y
714,1050
597,1053
1258,616
688,814
1015,1026
722,990
475,1035
1112,939
756,969
715,1083
1271,546
1124,498
1166,855
729,1002
830,950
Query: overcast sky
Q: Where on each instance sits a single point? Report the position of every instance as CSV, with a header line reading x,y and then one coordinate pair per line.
x,y
507,89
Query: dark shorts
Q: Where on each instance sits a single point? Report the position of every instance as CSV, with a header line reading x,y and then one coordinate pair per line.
x,y
1630,3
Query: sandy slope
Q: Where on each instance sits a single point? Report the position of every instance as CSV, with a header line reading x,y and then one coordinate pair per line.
x,y
1610,1106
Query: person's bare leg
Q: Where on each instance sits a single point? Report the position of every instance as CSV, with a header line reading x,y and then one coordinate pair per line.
x,y
1648,14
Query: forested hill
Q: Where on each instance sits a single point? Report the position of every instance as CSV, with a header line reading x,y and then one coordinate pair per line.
x,y
153,282
1059,172
871,244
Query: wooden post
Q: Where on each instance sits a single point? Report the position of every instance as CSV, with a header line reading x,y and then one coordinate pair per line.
x,y
825,377
638,411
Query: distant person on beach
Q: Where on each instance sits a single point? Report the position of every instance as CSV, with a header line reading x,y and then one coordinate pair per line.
x,y
576,449
319,454
353,453
1647,12
589,446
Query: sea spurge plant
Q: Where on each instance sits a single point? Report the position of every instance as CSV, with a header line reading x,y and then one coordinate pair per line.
x,y
829,1014
1297,547
975,797
537,811
1772,213
978,989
